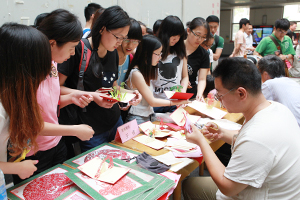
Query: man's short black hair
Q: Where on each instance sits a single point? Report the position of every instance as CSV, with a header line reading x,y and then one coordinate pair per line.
x,y
239,72
282,24
273,65
90,9
213,18
244,21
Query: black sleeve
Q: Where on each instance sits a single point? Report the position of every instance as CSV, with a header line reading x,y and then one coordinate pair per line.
x,y
205,60
117,64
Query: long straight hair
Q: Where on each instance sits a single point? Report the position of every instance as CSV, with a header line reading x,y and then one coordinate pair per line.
x,y
62,26
25,58
112,18
172,26
143,58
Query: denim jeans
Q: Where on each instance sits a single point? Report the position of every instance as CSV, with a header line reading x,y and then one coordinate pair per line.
x,y
139,119
164,109
101,138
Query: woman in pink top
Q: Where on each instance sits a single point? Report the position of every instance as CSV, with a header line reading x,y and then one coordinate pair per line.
x,y
64,32
25,58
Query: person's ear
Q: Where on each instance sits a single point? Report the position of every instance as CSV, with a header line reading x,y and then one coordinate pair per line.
x,y
265,76
242,93
188,30
92,16
53,43
102,29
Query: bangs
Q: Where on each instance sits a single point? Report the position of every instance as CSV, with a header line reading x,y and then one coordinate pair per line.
x,y
135,31
172,26
177,29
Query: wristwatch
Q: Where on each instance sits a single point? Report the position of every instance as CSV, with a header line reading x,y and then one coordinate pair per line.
x,y
286,57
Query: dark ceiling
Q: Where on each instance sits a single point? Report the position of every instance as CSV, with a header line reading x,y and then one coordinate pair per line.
x,y
226,4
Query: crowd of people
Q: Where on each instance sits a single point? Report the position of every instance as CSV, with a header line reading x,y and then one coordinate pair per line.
x,y
51,71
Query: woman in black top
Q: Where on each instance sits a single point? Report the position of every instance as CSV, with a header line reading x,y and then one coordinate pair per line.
x,y
108,32
198,58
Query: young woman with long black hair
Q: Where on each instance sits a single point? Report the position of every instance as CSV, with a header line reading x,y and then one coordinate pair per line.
x,y
172,68
108,32
25,58
142,70
198,58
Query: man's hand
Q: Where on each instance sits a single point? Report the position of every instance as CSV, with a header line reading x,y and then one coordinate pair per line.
x,y
195,136
83,132
27,168
212,132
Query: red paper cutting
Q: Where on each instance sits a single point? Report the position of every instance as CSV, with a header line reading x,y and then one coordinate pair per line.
x,y
47,187
107,152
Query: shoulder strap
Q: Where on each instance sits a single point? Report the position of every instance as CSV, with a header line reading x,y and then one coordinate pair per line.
x,y
83,65
276,43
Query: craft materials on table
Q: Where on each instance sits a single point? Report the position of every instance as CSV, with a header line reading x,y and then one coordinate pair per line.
x,y
183,149
153,130
100,170
49,184
126,187
212,112
102,151
150,142
176,163
178,95
74,193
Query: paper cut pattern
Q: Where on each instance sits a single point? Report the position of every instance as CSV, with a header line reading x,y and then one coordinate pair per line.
x,y
57,172
47,187
100,170
109,191
152,130
187,125
179,116
102,151
114,153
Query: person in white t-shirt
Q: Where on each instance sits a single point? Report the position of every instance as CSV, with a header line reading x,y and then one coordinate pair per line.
x,y
240,40
249,40
277,87
265,158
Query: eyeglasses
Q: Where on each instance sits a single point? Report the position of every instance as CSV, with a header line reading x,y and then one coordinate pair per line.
x,y
207,46
199,36
119,39
281,31
131,41
159,55
218,97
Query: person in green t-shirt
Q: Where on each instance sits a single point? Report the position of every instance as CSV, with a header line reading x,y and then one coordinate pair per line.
x,y
268,47
217,47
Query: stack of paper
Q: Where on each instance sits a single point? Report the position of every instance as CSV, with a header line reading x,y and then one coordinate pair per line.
x,y
176,163
209,111
150,142
183,149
